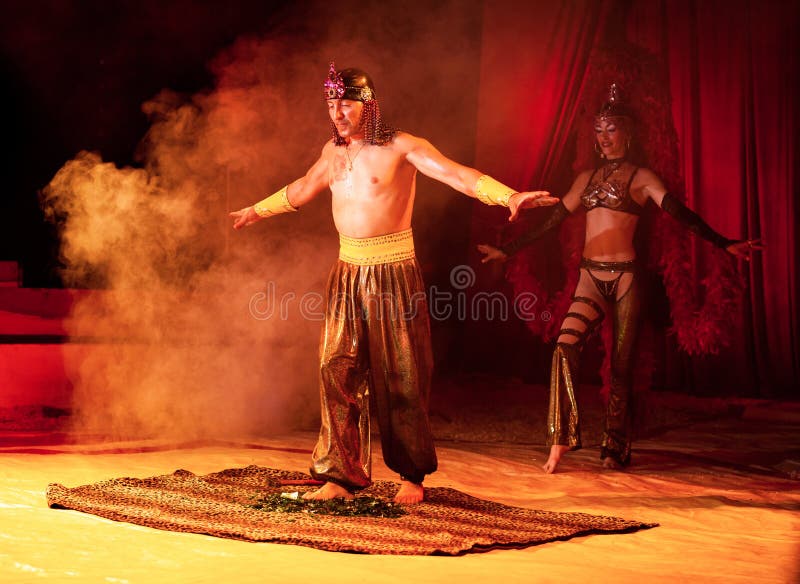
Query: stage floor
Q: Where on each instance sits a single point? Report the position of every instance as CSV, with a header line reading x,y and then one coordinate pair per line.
x,y
726,493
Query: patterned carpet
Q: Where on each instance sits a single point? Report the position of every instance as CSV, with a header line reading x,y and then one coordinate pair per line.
x,y
224,504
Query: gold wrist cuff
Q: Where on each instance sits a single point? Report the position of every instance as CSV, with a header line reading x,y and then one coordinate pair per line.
x,y
492,192
274,204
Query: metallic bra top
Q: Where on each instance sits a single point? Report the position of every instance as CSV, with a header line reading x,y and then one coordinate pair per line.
x,y
613,194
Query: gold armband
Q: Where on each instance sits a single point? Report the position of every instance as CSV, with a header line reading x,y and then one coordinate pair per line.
x,y
492,192
274,204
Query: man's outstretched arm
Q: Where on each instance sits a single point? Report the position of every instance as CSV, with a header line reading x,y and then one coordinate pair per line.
x,y
469,181
554,217
289,198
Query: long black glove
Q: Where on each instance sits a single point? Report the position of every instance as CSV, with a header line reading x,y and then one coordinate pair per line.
x,y
558,213
693,222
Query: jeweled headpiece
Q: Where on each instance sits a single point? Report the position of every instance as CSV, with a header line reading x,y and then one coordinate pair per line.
x,y
348,84
614,107
355,84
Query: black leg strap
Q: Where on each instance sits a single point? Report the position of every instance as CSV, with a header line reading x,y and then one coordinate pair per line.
x,y
595,306
574,332
582,317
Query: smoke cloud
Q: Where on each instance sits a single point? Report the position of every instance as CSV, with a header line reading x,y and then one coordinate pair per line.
x,y
201,331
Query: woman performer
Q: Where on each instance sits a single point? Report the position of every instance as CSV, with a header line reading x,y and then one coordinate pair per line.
x,y
614,195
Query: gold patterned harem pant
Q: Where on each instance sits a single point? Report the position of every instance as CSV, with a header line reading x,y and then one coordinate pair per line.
x,y
375,362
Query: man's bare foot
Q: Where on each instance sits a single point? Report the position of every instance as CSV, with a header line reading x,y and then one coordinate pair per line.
x,y
409,493
328,491
556,452
611,464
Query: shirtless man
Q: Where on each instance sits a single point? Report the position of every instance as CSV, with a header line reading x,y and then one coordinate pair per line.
x,y
375,348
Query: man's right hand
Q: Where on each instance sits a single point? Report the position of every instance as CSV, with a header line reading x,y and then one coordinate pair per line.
x,y
529,200
244,217
491,253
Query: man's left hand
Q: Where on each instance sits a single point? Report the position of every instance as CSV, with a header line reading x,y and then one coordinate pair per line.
x,y
529,200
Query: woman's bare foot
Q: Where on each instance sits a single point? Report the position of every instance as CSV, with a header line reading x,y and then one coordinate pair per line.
x,y
556,452
409,493
611,464
328,491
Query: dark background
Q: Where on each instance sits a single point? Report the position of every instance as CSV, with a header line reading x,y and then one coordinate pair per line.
x,y
74,77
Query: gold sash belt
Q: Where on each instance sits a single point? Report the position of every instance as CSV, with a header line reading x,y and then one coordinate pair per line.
x,y
383,249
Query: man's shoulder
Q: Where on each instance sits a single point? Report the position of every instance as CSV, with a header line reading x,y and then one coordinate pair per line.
x,y
328,148
405,142
401,135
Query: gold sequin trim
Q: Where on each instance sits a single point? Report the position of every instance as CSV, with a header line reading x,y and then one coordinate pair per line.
x,y
383,249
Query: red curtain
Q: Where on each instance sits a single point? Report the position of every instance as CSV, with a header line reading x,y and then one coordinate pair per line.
x,y
733,77
533,64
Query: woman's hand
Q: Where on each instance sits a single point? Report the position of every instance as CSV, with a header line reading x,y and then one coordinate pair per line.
x,y
743,249
491,253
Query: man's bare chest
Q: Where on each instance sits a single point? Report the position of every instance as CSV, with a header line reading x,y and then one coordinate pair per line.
x,y
367,170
